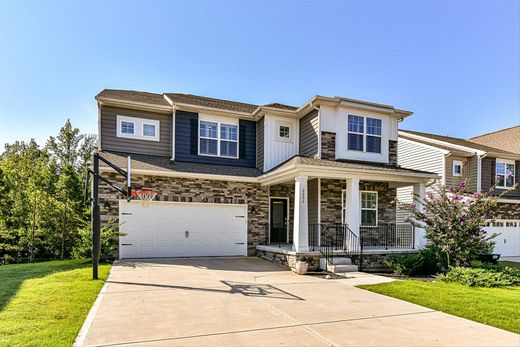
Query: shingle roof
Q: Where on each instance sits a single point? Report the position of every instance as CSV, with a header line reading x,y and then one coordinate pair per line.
x,y
211,102
133,96
506,138
164,164
347,165
281,106
456,141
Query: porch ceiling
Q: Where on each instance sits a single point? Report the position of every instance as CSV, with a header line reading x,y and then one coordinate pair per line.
x,y
318,168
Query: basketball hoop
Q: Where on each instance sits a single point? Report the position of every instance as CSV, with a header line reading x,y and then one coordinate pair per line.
x,y
145,195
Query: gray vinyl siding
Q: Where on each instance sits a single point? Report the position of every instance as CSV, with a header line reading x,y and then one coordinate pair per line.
x,y
260,144
488,178
313,201
416,156
110,141
309,134
452,180
472,173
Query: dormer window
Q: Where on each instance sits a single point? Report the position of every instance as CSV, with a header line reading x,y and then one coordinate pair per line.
x,y
364,134
218,139
138,128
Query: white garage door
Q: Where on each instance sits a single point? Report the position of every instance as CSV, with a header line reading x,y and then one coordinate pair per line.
x,y
170,229
507,243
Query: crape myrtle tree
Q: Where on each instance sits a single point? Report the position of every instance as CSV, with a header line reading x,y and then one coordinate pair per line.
x,y
452,218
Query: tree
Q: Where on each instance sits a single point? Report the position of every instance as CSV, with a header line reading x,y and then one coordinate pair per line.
x,y
453,218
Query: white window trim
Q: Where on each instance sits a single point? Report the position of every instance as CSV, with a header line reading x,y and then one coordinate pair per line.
x,y
365,133
510,162
291,132
218,139
138,128
368,209
455,163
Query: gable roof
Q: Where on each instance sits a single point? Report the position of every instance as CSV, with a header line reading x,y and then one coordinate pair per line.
x,y
133,96
455,141
505,138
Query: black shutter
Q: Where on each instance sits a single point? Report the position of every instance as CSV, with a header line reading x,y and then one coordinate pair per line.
x,y
493,173
242,133
194,135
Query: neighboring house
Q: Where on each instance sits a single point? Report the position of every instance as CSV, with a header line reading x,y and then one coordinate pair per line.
x,y
508,139
454,160
241,179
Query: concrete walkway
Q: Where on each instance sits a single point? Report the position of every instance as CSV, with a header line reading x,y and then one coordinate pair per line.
x,y
251,302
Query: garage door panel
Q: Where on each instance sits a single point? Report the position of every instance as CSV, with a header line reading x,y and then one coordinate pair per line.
x,y
159,230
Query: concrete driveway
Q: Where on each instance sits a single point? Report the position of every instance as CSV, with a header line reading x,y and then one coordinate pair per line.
x,y
251,302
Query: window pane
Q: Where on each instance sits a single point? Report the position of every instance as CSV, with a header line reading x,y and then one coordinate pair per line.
x,y
373,126
500,180
355,142
501,168
149,130
373,144
208,129
228,132
228,149
355,123
368,217
510,175
284,132
368,200
208,146
457,169
127,127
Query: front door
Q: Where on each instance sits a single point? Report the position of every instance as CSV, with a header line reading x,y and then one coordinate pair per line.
x,y
279,220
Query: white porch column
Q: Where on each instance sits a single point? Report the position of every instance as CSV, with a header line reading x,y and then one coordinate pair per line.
x,y
301,217
353,208
420,190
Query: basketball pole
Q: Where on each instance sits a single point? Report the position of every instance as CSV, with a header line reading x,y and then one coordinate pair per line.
x,y
96,219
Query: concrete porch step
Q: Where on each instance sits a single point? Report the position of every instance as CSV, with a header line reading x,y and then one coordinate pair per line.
x,y
339,264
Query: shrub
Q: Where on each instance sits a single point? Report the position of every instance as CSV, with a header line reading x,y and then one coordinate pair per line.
x,y
83,248
482,276
426,262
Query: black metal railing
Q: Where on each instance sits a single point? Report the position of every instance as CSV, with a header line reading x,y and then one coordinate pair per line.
x,y
387,236
328,239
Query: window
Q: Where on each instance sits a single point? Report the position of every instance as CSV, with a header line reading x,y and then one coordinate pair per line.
x,y
284,132
457,168
138,128
127,127
364,138
505,174
218,139
149,130
369,208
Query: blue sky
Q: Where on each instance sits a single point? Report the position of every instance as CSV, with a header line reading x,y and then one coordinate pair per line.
x,y
456,64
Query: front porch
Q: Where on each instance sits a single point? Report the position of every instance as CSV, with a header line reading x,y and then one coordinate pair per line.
x,y
316,214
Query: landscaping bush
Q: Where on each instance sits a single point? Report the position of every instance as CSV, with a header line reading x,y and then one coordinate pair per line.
x,y
426,262
83,248
488,276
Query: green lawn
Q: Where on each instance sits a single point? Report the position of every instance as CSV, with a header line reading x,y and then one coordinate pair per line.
x,y
498,307
45,304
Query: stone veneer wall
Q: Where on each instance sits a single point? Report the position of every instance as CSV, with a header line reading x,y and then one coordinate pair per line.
x,y
285,191
392,153
328,145
508,211
196,190
291,259
331,200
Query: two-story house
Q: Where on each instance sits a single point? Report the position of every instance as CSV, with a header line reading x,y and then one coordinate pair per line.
x,y
483,166
232,178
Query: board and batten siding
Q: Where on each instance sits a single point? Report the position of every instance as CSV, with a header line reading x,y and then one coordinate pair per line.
x,y
488,178
413,155
110,141
309,135
260,144
187,142
277,151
